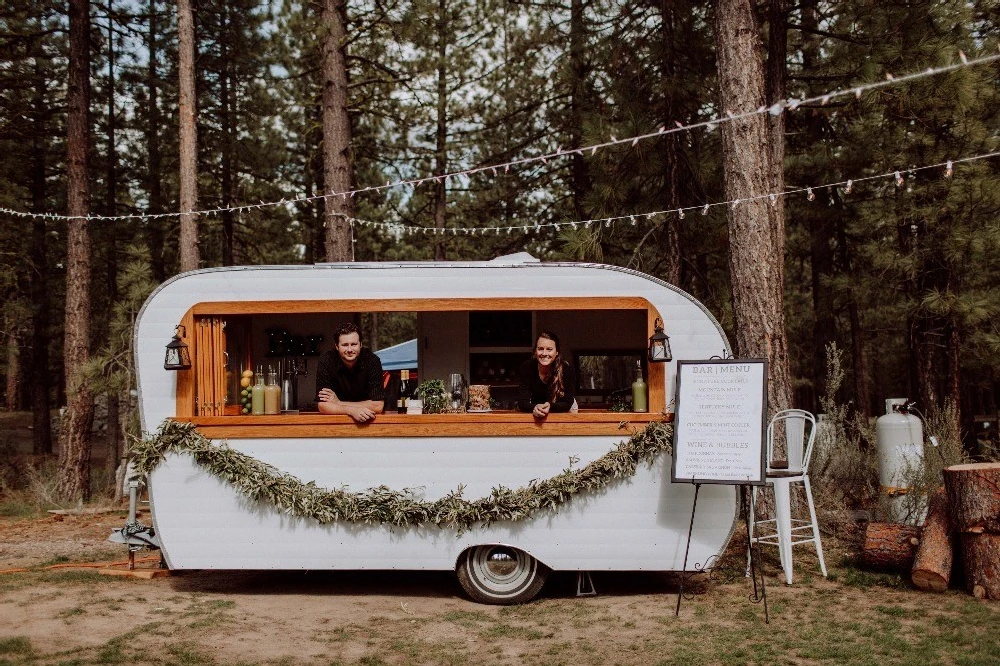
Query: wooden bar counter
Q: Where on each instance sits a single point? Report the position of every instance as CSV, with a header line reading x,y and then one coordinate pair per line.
x,y
495,423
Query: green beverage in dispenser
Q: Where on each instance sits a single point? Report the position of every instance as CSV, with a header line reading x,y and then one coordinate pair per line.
x,y
257,395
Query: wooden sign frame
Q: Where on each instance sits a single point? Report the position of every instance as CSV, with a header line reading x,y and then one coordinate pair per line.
x,y
719,426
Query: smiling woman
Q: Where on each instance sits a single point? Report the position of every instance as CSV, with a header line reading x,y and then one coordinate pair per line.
x,y
547,381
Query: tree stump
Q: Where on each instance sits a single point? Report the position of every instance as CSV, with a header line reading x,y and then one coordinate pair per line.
x,y
932,564
981,557
974,496
890,545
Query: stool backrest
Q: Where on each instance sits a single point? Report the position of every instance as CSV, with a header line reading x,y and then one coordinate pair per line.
x,y
799,429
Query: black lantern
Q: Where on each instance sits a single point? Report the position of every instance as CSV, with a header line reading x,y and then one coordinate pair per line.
x,y
178,357
659,344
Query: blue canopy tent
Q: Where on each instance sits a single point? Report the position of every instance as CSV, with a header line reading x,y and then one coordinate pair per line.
x,y
399,357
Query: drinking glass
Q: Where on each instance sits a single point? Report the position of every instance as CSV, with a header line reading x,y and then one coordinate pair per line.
x,y
456,388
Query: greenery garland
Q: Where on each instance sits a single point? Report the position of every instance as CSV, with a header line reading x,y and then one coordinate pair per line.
x,y
260,481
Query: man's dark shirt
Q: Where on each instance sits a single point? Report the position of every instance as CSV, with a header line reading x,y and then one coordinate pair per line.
x,y
362,382
533,391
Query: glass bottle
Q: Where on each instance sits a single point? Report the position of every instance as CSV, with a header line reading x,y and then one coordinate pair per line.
x,y
404,391
272,393
257,394
639,395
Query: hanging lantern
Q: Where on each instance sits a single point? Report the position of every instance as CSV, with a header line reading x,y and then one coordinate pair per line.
x,y
659,344
178,357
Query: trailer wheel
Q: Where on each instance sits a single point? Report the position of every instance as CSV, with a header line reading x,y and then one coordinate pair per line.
x,y
500,575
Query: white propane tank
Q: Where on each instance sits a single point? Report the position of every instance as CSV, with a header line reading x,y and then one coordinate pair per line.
x,y
900,446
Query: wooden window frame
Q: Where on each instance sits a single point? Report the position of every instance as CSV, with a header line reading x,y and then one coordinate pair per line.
x,y
425,425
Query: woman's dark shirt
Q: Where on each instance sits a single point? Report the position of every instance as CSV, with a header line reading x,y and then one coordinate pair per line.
x,y
533,391
357,384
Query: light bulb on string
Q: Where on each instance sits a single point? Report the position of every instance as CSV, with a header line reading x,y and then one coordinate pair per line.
x,y
948,170
899,179
849,186
680,213
704,211
810,195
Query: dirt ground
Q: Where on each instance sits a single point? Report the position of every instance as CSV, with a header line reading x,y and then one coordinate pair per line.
x,y
274,617
72,615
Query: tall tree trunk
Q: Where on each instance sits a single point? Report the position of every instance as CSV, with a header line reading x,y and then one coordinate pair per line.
x,y
777,91
154,229
74,450
13,395
671,243
314,185
756,255
581,182
336,133
41,383
188,112
226,93
441,131
114,437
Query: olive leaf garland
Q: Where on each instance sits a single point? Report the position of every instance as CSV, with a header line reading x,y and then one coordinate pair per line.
x,y
262,482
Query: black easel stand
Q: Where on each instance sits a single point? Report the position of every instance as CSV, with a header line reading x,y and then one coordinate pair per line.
x,y
687,549
759,591
753,552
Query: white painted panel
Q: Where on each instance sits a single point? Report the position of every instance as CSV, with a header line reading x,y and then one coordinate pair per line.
x,y
636,523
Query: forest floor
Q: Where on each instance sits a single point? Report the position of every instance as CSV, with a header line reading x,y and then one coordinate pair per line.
x,y
59,614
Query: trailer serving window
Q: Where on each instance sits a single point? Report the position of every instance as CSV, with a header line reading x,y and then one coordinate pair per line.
x,y
485,339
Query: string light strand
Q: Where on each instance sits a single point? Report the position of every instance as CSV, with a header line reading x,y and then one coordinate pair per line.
x,y
401,228
774,109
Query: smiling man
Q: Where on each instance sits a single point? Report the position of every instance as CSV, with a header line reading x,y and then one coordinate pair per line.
x,y
349,378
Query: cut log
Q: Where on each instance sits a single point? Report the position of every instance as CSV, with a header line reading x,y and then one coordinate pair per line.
x,y
974,496
932,565
981,557
890,545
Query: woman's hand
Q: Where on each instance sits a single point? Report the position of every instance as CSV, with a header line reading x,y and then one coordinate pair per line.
x,y
327,395
541,411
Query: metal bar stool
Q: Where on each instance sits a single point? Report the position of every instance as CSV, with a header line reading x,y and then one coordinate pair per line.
x,y
785,531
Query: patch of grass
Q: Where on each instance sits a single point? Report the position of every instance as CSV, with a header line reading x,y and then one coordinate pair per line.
x,y
188,654
507,631
70,576
371,660
468,619
893,611
16,645
867,579
71,612
208,605
16,508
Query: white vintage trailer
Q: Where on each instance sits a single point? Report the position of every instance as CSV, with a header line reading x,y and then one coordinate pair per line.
x,y
639,523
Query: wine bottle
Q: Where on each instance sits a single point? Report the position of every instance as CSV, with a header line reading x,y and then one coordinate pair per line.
x,y
639,395
404,391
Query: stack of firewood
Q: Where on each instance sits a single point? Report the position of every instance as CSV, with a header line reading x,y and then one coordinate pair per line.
x,y
966,513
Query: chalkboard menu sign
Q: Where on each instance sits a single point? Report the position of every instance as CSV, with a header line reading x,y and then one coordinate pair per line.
x,y
719,421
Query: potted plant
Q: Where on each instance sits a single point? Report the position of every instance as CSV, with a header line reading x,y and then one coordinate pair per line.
x,y
433,396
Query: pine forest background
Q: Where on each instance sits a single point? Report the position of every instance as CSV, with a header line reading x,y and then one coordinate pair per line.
x,y
903,277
